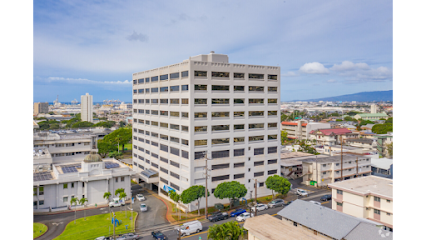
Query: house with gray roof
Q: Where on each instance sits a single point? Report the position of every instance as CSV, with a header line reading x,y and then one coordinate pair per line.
x,y
329,223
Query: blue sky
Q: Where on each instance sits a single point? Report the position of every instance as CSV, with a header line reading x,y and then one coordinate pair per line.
x,y
324,48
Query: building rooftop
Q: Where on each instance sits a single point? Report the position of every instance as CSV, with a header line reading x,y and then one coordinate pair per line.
x,y
331,131
369,185
295,158
372,114
361,140
382,163
337,158
266,227
293,123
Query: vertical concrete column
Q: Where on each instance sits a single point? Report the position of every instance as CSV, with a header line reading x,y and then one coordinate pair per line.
x,y
57,195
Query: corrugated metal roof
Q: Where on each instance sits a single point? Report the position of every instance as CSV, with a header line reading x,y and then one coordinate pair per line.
x,y
367,231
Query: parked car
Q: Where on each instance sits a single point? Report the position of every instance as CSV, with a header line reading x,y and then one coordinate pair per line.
x,y
242,217
325,198
128,236
276,203
144,208
140,197
237,212
315,202
218,216
104,238
189,228
302,193
259,207
116,202
158,235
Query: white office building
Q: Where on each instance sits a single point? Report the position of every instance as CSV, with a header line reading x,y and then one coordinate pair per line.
x,y
206,104
87,108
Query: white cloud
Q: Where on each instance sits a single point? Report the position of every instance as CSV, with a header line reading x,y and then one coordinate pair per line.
x,y
137,37
314,68
289,74
86,81
349,66
331,81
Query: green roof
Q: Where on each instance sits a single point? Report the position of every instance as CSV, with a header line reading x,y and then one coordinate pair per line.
x,y
372,115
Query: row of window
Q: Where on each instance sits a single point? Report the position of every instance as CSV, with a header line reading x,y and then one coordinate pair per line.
x,y
237,89
203,142
68,154
200,114
256,174
164,148
237,153
238,165
237,127
184,101
156,135
171,184
161,89
163,77
236,75
162,125
69,144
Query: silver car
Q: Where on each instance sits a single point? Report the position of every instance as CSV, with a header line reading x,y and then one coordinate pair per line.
x,y
128,236
144,207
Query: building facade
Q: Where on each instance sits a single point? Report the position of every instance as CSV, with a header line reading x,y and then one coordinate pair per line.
x,y
41,107
300,129
87,108
207,105
371,116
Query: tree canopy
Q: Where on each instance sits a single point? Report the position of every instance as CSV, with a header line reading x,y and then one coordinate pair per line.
x,y
382,128
226,231
231,190
120,136
390,120
82,124
283,137
48,125
105,147
105,124
278,184
195,192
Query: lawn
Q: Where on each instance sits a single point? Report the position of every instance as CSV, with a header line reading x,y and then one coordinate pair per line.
x,y
128,146
38,229
97,226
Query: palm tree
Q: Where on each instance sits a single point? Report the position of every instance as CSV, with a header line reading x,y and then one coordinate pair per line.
x,y
74,201
106,196
123,195
82,201
118,191
226,231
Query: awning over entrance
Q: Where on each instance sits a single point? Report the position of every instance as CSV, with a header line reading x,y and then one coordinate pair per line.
x,y
149,176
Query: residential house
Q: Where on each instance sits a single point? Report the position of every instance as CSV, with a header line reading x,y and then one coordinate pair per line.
x,y
331,136
301,129
328,223
365,143
368,197
382,167
291,163
368,126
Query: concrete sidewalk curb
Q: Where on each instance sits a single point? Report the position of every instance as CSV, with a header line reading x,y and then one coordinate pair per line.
x,y
44,232
68,211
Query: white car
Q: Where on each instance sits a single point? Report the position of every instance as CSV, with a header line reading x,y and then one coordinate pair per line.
x,y
302,192
144,208
243,216
259,207
315,202
116,202
140,197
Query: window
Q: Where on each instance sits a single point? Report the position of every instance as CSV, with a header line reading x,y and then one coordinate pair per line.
x,y
272,125
238,75
324,165
174,139
377,211
339,204
185,128
134,81
174,175
185,87
41,202
174,101
164,113
146,80
200,87
220,100
236,176
255,138
200,73
65,185
164,125
154,79
185,74
174,114
140,90
340,192
198,155
255,89
164,89
238,152
388,201
256,76
337,164
238,88
185,101
272,101
256,113
258,174
220,114
261,184
272,77
164,77
272,137
174,127
220,154
174,186
135,91
270,172
154,165
146,100
122,179
220,128
220,141
200,101
35,203
147,91
72,185
164,101
220,74
185,154
238,114
272,113
154,90
174,75
175,164
200,115
256,101
164,148
174,88
219,178
256,125
259,151
154,123
154,112
41,190
200,129
259,163
141,100
220,88
220,166
272,150
202,142
237,165
185,142
376,199
239,140
272,161
164,170
34,191
238,100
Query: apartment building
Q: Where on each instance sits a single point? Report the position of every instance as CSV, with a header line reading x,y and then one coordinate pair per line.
x,y
291,163
90,178
368,197
371,116
65,148
331,136
87,108
301,129
327,170
41,107
207,105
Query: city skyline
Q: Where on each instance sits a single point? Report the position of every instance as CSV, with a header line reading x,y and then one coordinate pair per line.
x,y
323,49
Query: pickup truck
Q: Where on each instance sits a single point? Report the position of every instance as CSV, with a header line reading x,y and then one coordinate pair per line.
x,y
218,216
116,202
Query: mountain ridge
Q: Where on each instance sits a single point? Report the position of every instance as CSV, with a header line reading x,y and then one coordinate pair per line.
x,y
359,97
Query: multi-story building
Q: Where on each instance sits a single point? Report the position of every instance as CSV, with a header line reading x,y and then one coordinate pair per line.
x,y
301,130
327,170
373,108
366,197
87,108
41,107
66,148
331,136
371,116
207,105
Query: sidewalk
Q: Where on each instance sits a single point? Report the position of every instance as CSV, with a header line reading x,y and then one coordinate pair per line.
x,y
79,208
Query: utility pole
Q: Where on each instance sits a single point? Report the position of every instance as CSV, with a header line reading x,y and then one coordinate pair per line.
x,y
255,197
316,161
356,166
205,192
113,226
341,158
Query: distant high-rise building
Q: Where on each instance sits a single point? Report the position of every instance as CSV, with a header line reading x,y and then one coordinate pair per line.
x,y
41,107
87,108
373,108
